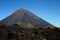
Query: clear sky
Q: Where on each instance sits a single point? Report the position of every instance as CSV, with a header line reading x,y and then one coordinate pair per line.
x,y
48,10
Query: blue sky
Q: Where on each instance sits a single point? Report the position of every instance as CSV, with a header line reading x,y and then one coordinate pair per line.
x,y
48,10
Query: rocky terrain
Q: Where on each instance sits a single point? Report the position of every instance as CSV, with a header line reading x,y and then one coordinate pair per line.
x,y
16,32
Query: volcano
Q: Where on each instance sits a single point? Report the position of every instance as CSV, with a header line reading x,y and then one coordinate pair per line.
x,y
26,18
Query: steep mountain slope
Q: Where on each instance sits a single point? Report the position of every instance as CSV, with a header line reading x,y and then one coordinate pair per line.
x,y
24,17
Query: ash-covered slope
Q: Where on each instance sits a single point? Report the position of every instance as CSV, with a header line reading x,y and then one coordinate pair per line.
x,y
24,17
